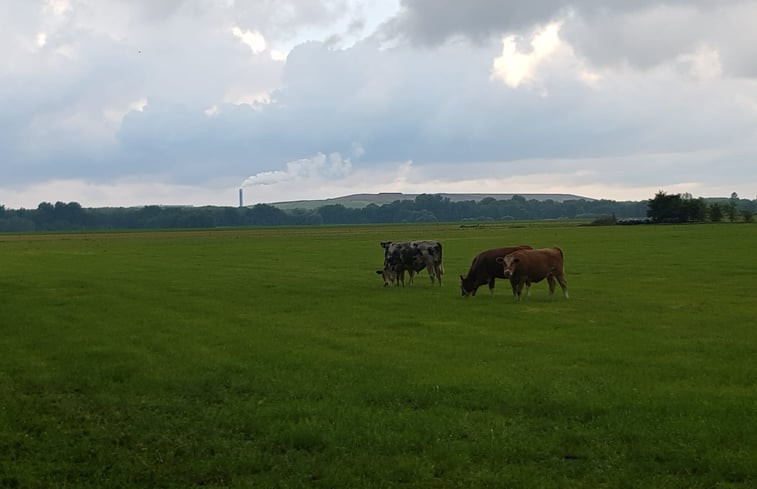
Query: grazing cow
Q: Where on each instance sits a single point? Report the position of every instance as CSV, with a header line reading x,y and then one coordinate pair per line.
x,y
411,256
485,269
530,266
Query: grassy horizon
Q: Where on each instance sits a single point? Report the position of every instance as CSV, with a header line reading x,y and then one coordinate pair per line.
x,y
274,358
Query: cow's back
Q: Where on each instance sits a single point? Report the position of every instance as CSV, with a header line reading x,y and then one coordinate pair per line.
x,y
535,265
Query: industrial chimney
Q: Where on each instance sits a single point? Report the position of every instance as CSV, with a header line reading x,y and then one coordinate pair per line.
x,y
241,198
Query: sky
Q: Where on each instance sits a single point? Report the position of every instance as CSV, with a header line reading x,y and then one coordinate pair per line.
x,y
184,102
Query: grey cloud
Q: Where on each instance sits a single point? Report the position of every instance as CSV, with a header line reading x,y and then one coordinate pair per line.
x,y
638,33
656,35
642,38
431,22
435,21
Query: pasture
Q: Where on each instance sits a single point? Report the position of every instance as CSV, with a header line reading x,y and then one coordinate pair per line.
x,y
275,358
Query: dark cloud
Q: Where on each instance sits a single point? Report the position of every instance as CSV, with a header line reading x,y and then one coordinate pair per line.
x,y
638,33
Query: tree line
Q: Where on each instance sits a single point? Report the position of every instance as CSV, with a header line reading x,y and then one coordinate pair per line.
x,y
424,208
673,208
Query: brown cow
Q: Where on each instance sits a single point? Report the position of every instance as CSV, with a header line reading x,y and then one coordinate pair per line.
x,y
527,266
485,269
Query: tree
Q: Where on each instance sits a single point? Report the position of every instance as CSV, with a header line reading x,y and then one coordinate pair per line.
x,y
716,212
664,207
45,214
434,203
747,215
676,208
731,211
265,215
693,209
334,214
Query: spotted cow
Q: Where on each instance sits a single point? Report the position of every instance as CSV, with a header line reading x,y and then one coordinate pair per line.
x,y
411,257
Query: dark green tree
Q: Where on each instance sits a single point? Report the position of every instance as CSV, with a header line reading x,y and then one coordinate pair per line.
x,y
716,212
664,207
693,209
731,211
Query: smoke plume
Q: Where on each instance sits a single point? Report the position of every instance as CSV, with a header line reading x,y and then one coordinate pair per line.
x,y
319,166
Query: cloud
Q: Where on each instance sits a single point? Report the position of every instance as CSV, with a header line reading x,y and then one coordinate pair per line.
x,y
188,92
639,33
514,67
319,167
254,40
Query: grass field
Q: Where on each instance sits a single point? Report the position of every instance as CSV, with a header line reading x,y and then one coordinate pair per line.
x,y
275,358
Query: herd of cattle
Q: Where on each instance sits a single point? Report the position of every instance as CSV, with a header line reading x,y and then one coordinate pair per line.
x,y
522,265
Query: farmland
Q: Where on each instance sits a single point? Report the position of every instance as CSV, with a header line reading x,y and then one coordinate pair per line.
x,y
273,357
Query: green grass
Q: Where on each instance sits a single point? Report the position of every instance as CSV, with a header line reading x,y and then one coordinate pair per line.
x,y
275,358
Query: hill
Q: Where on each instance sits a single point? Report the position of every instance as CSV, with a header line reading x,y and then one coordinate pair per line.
x,y
358,201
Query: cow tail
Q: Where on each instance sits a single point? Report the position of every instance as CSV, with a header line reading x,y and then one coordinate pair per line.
x,y
560,250
441,262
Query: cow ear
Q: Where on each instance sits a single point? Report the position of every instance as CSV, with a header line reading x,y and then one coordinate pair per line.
x,y
379,272
461,277
500,259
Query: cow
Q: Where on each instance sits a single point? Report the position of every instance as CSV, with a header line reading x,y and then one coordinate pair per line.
x,y
411,256
397,260
524,267
485,269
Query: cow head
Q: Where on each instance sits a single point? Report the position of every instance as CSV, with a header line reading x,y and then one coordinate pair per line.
x,y
389,275
384,276
467,287
509,264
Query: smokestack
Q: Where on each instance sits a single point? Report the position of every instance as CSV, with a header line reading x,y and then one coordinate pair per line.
x,y
241,198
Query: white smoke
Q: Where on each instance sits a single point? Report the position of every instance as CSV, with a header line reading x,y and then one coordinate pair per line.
x,y
319,166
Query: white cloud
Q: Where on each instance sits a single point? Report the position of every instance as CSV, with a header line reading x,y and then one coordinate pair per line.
x,y
278,55
58,7
134,191
703,64
115,115
514,67
252,39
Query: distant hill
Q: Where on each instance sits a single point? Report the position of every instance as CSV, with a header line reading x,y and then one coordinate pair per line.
x,y
358,201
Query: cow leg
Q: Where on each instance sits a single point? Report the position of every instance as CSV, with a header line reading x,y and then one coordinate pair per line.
x,y
491,287
520,290
563,285
551,280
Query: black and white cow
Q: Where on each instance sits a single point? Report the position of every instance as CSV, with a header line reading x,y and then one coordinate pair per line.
x,y
411,256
